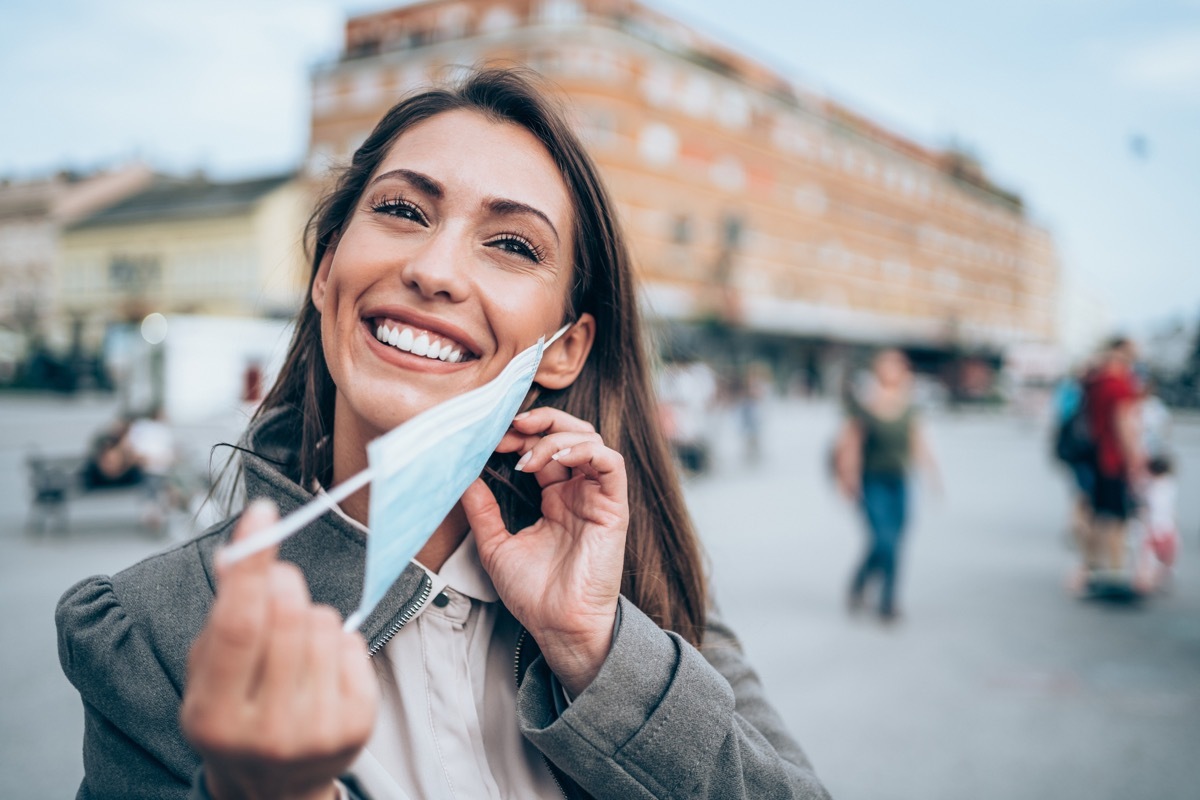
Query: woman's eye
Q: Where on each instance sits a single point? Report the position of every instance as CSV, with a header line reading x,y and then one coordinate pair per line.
x,y
518,246
399,208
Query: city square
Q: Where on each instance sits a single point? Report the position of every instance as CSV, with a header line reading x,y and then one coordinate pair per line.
x,y
996,682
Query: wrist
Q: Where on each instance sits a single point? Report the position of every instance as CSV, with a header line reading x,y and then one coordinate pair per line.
x,y
576,658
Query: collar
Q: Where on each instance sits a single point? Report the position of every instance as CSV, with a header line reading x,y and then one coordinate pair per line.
x,y
463,571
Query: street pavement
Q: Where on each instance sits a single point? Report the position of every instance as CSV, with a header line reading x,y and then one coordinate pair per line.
x,y
995,684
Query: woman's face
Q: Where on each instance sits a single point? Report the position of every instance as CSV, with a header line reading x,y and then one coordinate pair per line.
x,y
456,258
891,369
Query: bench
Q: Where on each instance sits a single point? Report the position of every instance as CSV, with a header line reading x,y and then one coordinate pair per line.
x,y
58,481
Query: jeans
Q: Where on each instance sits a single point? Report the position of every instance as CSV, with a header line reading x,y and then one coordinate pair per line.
x,y
885,506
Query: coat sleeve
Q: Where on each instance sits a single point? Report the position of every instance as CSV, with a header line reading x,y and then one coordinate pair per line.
x,y
663,720
132,689
132,745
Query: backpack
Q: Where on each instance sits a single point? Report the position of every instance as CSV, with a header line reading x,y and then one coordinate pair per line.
x,y
1073,443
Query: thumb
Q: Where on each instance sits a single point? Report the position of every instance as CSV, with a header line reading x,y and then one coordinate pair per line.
x,y
483,515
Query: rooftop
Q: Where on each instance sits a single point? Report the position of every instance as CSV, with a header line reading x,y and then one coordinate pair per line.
x,y
190,198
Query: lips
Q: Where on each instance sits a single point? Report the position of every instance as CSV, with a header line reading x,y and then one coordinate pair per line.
x,y
420,341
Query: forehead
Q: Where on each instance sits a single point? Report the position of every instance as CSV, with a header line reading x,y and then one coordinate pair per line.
x,y
473,156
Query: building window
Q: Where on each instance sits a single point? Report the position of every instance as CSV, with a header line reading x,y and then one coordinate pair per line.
x,y
811,199
598,127
697,96
681,229
452,22
733,109
134,274
561,11
728,174
733,231
658,144
498,19
658,85
325,95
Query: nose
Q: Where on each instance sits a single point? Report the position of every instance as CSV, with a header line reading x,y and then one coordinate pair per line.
x,y
437,269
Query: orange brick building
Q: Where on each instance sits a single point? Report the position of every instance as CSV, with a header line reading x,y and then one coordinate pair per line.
x,y
746,198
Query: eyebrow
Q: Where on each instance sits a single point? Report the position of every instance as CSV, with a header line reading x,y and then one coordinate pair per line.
x,y
500,206
509,207
423,183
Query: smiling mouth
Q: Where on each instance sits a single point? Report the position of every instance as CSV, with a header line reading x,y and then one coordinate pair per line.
x,y
418,342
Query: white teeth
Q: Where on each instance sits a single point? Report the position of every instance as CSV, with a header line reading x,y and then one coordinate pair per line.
x,y
421,346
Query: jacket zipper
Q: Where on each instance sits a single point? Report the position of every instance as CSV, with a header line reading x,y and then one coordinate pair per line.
x,y
406,615
517,680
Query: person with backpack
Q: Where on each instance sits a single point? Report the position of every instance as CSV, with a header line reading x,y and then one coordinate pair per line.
x,y
1112,410
1073,447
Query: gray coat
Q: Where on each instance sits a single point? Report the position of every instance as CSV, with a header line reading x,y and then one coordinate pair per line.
x,y
660,720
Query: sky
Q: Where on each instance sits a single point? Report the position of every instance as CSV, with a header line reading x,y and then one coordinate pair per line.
x,y
1090,109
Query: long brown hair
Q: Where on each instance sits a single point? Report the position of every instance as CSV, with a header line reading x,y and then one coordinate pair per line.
x,y
664,570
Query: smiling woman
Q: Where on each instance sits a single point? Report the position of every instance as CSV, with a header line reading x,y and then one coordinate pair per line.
x,y
554,636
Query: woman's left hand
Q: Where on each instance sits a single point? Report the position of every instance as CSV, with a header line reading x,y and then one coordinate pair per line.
x,y
561,576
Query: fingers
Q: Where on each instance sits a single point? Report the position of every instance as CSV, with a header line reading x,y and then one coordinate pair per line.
x,y
539,458
483,515
285,658
549,420
260,514
600,463
240,613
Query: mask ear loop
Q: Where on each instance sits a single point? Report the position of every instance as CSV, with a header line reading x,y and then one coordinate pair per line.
x,y
557,334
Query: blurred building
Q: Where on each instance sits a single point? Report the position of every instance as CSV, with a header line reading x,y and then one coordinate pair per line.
x,y
33,214
185,246
754,206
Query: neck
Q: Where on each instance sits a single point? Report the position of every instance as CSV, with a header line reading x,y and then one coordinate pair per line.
x,y
350,458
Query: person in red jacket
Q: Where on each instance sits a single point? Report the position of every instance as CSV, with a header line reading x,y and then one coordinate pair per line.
x,y
1111,402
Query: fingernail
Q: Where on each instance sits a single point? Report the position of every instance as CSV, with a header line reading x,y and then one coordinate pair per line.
x,y
522,415
261,508
561,453
524,460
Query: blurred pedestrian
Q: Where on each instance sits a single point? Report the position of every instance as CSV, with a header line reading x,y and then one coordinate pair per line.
x,y
152,444
1074,447
687,395
1160,529
1155,421
110,461
749,390
879,441
1112,405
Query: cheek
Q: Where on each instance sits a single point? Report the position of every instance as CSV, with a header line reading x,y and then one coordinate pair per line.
x,y
532,309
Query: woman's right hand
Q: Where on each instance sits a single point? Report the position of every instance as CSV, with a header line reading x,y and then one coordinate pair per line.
x,y
279,700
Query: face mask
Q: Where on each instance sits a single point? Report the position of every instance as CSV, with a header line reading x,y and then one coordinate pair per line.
x,y
421,469
417,472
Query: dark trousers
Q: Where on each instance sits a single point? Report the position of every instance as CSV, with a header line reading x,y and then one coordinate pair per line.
x,y
885,506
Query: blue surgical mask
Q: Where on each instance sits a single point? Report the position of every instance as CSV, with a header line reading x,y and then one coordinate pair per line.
x,y
421,469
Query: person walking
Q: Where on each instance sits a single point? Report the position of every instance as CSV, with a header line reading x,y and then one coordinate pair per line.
x,y
1112,404
880,439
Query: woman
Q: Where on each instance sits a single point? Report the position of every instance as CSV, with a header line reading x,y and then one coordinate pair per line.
x,y
578,657
879,440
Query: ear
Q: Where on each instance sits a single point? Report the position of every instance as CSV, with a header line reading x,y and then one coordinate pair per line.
x,y
322,276
563,361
